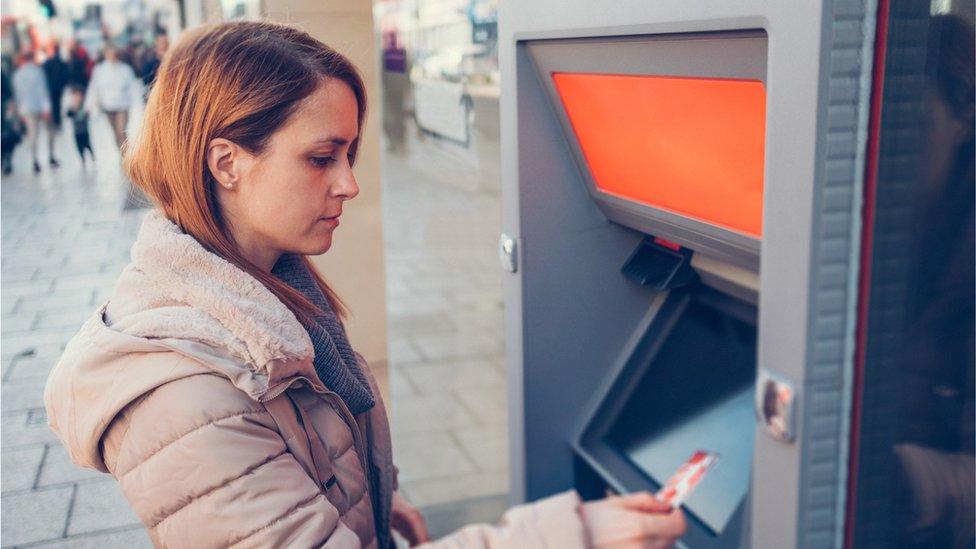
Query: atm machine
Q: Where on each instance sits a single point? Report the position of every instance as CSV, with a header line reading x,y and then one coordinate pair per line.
x,y
681,230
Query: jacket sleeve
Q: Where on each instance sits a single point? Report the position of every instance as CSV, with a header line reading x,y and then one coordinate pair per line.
x,y
203,465
550,522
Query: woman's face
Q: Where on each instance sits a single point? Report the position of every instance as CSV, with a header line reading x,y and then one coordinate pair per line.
x,y
289,198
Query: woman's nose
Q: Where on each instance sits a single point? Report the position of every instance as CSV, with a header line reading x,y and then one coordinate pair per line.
x,y
345,186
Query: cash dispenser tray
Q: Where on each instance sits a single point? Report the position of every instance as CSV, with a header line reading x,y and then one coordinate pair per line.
x,y
684,382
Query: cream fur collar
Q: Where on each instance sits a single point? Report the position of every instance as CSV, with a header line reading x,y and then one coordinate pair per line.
x,y
176,289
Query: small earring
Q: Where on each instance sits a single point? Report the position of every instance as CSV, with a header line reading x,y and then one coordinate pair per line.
x,y
229,185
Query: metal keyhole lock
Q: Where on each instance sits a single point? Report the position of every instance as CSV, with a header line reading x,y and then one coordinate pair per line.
x,y
776,405
508,253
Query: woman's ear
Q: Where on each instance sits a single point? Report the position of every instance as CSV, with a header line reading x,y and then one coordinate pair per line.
x,y
224,158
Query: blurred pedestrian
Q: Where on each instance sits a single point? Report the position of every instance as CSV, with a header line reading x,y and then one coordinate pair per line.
x,y
10,133
78,65
151,66
79,120
110,90
57,72
34,105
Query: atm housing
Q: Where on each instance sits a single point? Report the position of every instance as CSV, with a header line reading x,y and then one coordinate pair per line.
x,y
592,326
685,379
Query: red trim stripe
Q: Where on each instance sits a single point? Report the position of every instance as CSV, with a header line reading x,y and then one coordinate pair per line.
x,y
867,243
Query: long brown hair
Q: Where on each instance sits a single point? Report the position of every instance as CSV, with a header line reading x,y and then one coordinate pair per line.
x,y
238,81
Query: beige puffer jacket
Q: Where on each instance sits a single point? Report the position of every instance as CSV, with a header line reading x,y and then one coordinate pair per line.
x,y
194,387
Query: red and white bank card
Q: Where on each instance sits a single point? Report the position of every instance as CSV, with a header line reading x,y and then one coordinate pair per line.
x,y
677,489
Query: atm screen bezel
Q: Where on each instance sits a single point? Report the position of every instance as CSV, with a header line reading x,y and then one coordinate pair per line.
x,y
592,444
737,54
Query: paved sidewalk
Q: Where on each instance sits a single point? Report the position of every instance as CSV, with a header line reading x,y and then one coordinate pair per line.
x,y
447,375
65,238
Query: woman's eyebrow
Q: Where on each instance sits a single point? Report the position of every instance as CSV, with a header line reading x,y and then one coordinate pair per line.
x,y
331,141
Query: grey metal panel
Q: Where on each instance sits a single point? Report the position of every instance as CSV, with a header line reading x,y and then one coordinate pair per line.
x,y
848,34
576,307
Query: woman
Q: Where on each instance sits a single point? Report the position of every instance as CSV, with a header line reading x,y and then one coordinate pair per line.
x,y
217,384
111,89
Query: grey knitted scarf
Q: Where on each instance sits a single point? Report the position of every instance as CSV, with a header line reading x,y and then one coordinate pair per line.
x,y
335,362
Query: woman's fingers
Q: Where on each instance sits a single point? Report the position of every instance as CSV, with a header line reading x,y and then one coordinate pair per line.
x,y
635,520
412,526
662,526
419,527
643,501
408,521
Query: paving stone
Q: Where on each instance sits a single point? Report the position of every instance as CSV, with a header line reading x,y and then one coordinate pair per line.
x,y
409,323
100,505
36,416
418,303
447,489
400,386
59,300
486,445
34,516
19,274
402,350
25,259
429,413
13,290
9,305
53,272
430,454
100,253
58,468
69,318
22,394
443,377
20,467
16,430
456,345
101,296
31,367
37,341
134,538
489,404
73,281
18,322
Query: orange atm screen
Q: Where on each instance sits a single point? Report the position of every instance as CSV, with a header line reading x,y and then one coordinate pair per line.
x,y
692,146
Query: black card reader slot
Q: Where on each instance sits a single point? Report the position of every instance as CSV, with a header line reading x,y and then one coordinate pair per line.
x,y
659,265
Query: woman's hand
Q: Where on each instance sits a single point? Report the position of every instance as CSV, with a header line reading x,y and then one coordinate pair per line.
x,y
408,521
632,521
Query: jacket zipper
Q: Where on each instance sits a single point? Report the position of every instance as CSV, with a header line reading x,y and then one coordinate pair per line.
x,y
361,448
334,399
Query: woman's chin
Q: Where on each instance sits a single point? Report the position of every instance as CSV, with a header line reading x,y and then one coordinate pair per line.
x,y
318,247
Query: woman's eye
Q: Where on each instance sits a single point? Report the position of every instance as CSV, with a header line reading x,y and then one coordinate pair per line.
x,y
322,161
